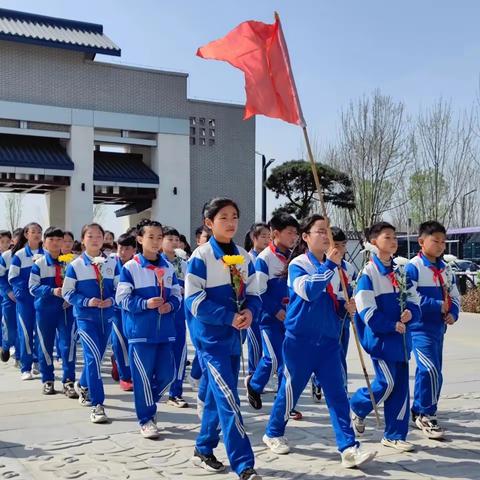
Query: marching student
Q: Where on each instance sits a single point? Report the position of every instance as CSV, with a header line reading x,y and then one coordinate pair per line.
x,y
126,248
256,240
89,286
349,275
383,332
170,246
53,314
271,271
28,247
221,296
149,294
440,306
311,344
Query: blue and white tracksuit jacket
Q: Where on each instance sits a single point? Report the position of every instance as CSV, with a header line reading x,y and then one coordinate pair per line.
x,y
52,316
378,311
18,277
270,267
94,324
312,329
119,340
211,308
254,336
428,332
9,313
180,345
150,335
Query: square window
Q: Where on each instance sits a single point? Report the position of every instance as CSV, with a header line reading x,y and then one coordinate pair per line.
x,y
212,132
201,121
203,142
193,121
211,123
192,130
192,140
203,132
211,142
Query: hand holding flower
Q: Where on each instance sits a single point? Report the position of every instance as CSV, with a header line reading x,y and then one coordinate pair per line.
x,y
94,302
57,291
400,327
406,316
155,302
335,255
165,308
281,315
107,303
351,307
449,320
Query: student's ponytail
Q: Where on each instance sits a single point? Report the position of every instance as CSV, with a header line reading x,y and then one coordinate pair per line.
x,y
22,239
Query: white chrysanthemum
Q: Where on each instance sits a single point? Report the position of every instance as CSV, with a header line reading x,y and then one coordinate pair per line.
x,y
98,260
400,261
180,253
449,258
368,247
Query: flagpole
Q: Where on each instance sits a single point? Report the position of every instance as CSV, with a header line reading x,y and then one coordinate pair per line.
x,y
342,280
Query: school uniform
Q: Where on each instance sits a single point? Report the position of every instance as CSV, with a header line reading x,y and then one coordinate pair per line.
x,y
119,340
378,305
81,284
52,317
270,267
311,346
432,281
18,277
254,337
150,334
211,307
9,313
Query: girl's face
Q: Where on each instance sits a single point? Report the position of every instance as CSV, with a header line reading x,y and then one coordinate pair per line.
x,y
261,242
53,245
34,236
225,223
108,238
67,244
317,237
151,240
170,243
4,243
93,240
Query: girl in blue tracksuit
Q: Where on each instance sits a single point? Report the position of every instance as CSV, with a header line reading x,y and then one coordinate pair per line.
x,y
171,241
27,249
221,300
384,335
89,286
311,344
149,294
53,315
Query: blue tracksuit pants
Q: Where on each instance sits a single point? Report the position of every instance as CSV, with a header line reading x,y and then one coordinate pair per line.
x,y
428,351
196,370
94,337
49,323
222,407
390,387
120,347
179,347
153,368
254,339
26,334
9,326
301,359
272,358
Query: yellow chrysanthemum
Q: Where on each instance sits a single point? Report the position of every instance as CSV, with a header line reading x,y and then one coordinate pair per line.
x,y
233,259
67,258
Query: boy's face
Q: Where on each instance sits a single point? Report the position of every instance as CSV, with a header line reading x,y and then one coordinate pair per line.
x,y
341,247
287,237
125,253
53,245
433,245
386,242
4,243
170,243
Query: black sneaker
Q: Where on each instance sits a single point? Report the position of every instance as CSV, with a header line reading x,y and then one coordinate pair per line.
x,y
48,388
69,389
249,474
254,398
415,415
207,462
316,392
4,355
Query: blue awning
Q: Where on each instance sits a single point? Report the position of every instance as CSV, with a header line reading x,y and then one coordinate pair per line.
x,y
122,168
55,32
33,152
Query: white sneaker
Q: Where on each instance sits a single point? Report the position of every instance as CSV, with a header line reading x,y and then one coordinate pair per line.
x,y
98,415
82,393
35,370
149,430
194,383
401,445
278,445
358,424
27,376
354,457
429,426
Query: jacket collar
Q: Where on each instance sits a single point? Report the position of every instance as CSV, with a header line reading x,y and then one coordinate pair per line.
x,y
440,264
384,270
217,250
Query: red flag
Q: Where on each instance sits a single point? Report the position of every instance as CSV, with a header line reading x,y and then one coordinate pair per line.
x,y
260,51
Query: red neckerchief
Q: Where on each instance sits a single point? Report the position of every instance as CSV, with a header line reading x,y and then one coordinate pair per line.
x,y
332,295
159,273
58,275
390,275
281,257
438,278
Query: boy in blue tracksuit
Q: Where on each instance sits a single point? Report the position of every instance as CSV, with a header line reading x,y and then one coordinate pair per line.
x,y
311,344
383,332
89,286
53,315
126,248
271,268
440,305
149,294
221,297
25,252
171,252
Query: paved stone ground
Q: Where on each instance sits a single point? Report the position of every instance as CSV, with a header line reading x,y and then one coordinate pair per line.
x,y
51,437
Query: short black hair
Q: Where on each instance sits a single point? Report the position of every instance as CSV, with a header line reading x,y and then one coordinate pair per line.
x,y
171,231
127,240
338,235
430,227
5,233
146,222
211,208
281,221
53,232
132,231
17,232
77,247
377,228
